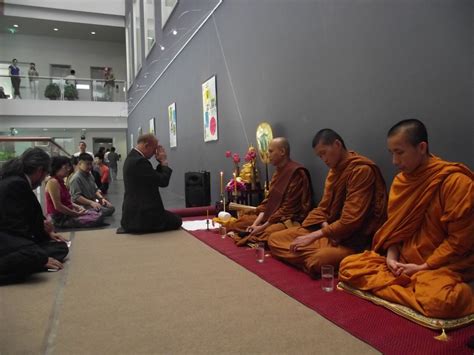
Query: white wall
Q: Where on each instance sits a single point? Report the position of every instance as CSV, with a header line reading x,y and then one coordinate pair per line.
x,y
112,7
80,54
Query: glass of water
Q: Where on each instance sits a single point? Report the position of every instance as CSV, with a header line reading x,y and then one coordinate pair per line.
x,y
222,232
260,252
327,278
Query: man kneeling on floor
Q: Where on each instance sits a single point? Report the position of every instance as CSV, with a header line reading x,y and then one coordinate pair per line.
x,y
28,243
84,190
142,209
351,210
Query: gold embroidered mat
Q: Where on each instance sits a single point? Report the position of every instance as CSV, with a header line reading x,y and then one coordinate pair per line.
x,y
408,313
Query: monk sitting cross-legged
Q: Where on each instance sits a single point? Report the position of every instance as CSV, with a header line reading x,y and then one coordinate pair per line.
x,y
351,210
289,199
423,255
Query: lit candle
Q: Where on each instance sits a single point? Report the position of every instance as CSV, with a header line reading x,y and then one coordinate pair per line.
x,y
222,183
235,184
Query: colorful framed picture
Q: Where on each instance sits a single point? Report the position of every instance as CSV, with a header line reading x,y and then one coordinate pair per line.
x,y
209,108
172,124
152,125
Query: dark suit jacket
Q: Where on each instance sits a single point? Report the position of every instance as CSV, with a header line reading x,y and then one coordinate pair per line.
x,y
142,208
20,214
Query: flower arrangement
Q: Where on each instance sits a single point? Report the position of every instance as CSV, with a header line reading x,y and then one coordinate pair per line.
x,y
236,160
240,185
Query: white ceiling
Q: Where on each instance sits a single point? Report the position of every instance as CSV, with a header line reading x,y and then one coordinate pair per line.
x,y
38,27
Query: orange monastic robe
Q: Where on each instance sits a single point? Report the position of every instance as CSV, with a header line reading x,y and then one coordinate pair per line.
x,y
354,205
296,202
431,220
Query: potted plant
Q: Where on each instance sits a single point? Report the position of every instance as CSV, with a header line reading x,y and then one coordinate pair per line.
x,y
52,91
70,92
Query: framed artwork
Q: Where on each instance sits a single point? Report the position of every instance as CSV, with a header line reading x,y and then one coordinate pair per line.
x,y
131,141
167,7
152,125
172,124
209,108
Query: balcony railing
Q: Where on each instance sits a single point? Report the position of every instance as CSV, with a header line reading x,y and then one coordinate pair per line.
x,y
68,88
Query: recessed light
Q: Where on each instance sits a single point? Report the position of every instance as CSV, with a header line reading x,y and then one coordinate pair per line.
x,y
56,29
16,26
45,129
174,32
162,48
92,33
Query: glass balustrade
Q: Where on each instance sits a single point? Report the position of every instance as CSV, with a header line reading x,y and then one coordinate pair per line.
x,y
71,89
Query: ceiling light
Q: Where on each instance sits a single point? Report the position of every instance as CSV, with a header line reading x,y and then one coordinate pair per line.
x,y
16,26
92,33
56,29
174,32
45,129
162,48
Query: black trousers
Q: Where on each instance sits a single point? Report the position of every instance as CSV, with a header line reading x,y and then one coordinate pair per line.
x,y
169,221
16,85
20,257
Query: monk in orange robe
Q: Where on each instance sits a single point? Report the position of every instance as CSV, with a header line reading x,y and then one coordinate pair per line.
x,y
353,207
423,256
289,199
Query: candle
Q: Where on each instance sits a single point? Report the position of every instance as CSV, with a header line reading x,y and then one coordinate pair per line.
x,y
235,184
222,182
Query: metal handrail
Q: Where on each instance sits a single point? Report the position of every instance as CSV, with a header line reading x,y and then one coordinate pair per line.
x,y
34,139
58,78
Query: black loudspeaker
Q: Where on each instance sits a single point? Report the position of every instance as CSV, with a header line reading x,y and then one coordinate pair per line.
x,y
197,188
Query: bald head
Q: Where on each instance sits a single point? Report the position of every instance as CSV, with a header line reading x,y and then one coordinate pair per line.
x,y
147,144
414,131
283,144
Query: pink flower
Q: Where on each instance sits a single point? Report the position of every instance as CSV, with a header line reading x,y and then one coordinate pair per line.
x,y
236,158
251,155
228,154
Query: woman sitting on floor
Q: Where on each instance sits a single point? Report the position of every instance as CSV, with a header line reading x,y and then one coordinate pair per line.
x,y
62,210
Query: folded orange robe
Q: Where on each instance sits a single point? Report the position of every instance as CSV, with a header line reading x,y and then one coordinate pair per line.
x,y
353,204
430,220
292,207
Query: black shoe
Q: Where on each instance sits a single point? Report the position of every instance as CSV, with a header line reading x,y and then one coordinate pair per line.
x,y
121,230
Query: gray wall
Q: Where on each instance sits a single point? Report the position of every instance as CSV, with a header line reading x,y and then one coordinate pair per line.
x,y
355,66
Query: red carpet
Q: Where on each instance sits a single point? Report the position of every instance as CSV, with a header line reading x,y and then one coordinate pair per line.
x,y
382,329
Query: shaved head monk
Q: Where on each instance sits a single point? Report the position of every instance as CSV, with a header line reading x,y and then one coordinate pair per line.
x,y
289,199
351,210
423,255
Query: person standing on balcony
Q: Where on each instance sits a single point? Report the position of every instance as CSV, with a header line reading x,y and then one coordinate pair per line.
x,y
34,81
15,78
71,78
109,84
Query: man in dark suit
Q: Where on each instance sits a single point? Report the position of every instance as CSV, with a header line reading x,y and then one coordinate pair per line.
x,y
28,243
143,210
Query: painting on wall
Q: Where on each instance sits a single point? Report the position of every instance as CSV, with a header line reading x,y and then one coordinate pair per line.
x,y
152,125
172,124
209,108
167,7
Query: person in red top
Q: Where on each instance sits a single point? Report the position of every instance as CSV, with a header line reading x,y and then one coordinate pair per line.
x,y
59,206
104,173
